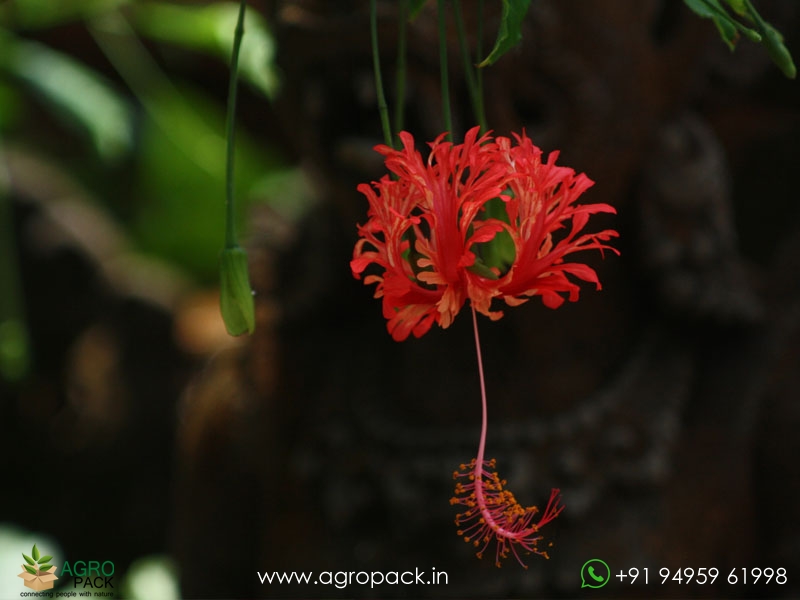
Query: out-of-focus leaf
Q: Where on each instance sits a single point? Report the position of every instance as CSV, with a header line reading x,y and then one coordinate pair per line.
x,y
738,6
45,559
705,8
10,105
14,356
30,569
28,559
510,32
45,567
35,553
182,184
42,14
182,180
208,28
415,6
181,206
288,192
78,94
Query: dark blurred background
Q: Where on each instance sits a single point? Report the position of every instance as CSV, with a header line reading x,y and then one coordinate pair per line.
x,y
133,429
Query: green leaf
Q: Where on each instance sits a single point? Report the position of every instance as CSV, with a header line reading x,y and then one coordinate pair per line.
x,y
702,8
739,7
45,559
415,6
78,94
35,553
779,53
45,567
236,295
30,570
181,171
729,29
45,14
28,559
510,32
727,32
208,28
763,32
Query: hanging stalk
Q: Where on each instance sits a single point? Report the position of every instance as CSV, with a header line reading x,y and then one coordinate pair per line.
x,y
383,109
445,83
475,91
236,295
230,213
479,72
400,77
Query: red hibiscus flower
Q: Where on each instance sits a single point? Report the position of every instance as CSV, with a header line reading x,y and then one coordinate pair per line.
x,y
428,225
482,220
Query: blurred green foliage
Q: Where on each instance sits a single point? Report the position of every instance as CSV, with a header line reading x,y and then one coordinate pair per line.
x,y
210,29
75,92
164,129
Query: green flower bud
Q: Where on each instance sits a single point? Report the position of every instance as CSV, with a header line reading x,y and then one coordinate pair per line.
x,y
778,52
236,296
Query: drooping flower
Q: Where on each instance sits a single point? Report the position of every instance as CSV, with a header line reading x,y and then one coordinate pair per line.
x,y
428,227
482,220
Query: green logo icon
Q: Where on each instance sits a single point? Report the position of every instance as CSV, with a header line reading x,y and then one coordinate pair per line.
x,y
595,573
37,572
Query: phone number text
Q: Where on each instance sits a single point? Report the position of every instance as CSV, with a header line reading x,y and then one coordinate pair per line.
x,y
705,576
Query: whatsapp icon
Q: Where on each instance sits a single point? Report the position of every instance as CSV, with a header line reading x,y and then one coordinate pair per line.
x,y
595,573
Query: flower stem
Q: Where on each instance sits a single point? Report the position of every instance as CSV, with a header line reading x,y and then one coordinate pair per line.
x,y
475,91
480,496
484,409
400,76
479,72
500,530
230,214
445,84
383,109
236,296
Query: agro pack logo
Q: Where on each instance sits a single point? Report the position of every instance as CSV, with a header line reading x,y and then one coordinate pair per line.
x,y
38,573
91,574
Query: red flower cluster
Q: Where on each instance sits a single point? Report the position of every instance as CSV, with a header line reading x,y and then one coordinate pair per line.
x,y
428,227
